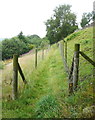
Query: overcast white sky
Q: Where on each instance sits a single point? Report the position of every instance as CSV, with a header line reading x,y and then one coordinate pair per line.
x,y
29,16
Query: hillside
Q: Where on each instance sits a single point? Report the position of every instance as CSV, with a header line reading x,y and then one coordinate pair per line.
x,y
46,94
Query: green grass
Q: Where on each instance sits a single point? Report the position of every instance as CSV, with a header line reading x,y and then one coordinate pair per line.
x,y
46,94
1,65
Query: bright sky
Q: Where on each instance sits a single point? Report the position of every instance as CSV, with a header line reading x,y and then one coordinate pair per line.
x,y
29,16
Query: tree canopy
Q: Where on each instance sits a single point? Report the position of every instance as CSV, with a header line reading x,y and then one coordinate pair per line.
x,y
19,45
86,18
61,24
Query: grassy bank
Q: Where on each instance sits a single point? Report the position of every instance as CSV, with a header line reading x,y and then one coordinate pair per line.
x,y
46,94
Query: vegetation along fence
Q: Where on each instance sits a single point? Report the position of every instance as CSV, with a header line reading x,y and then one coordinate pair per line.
x,y
17,68
78,65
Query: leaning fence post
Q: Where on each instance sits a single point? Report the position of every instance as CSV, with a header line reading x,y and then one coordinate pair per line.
x,y
21,73
66,51
76,66
15,77
36,58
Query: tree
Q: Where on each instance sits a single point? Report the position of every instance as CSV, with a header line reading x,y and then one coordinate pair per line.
x,y
13,46
61,24
86,18
22,37
35,39
17,45
44,44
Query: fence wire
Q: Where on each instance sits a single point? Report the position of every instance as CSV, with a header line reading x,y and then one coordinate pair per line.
x,y
85,67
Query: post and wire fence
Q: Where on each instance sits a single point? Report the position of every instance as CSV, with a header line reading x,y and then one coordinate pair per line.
x,y
17,68
74,60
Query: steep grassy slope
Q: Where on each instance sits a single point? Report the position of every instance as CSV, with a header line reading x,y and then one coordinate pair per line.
x,y
46,94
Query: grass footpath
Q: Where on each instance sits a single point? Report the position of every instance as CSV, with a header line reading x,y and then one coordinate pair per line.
x,y
40,97
46,94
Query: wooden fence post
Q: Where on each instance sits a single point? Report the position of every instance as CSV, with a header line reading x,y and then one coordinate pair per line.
x,y
71,78
15,77
94,53
61,51
36,58
63,59
49,48
94,45
76,66
66,51
21,73
42,53
63,47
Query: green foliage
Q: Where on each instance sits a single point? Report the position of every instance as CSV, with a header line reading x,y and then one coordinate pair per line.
x,y
85,42
47,107
13,46
21,36
73,35
19,45
31,46
35,40
86,18
44,43
1,65
61,24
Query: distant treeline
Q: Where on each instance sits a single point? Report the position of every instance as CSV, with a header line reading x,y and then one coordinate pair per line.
x,y
19,45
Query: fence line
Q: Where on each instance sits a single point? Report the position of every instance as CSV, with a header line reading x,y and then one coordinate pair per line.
x,y
17,68
73,71
42,53
36,51
61,47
